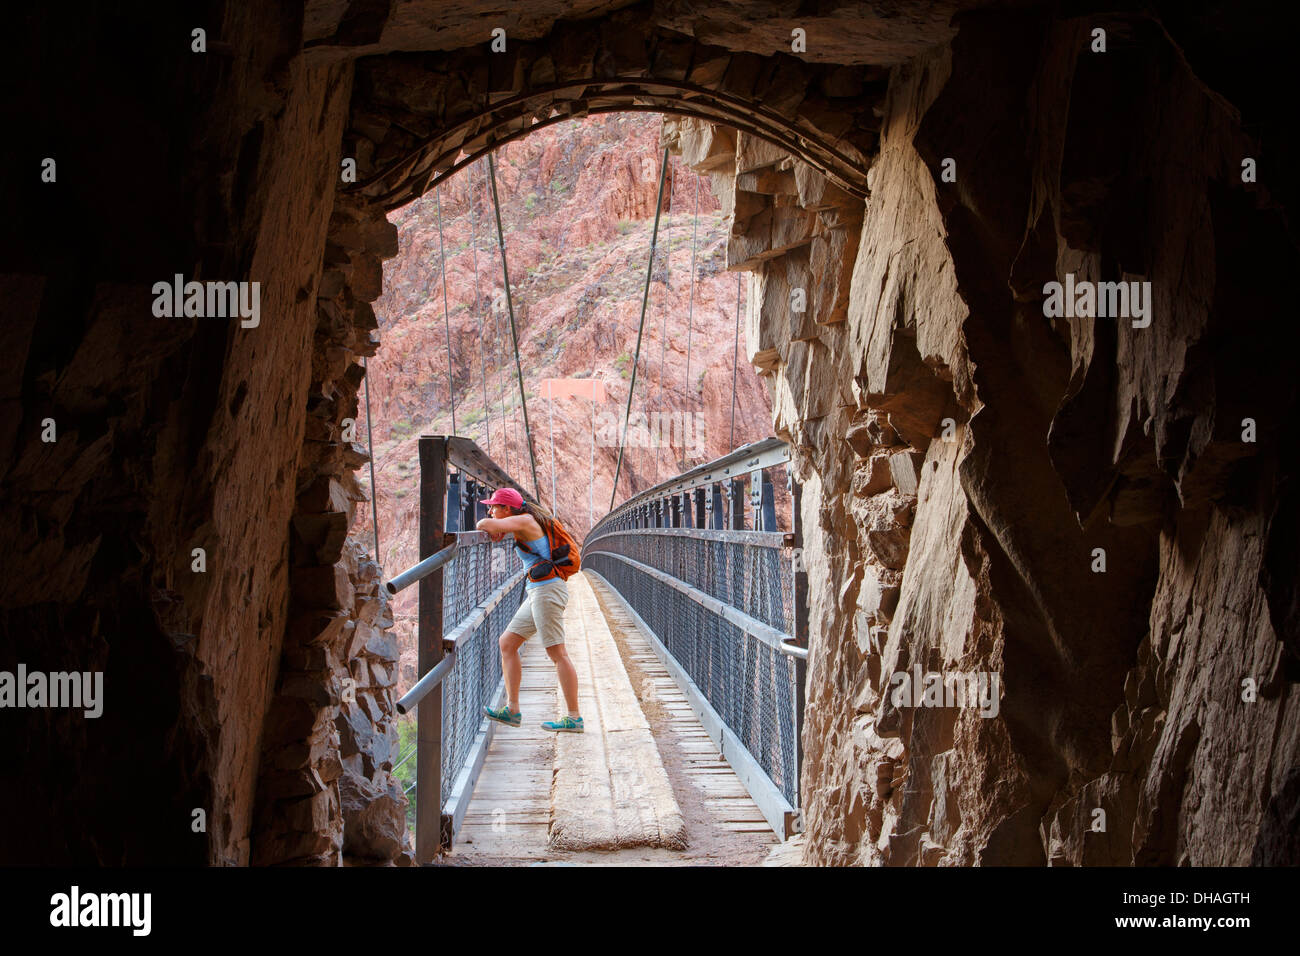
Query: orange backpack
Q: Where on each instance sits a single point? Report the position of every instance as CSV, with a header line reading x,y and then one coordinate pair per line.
x,y
565,556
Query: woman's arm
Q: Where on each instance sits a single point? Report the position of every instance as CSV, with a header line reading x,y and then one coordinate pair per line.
x,y
506,525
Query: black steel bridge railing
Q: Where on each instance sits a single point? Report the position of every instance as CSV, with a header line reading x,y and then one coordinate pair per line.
x,y
469,588
723,594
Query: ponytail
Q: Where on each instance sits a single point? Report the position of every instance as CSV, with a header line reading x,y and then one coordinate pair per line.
x,y
543,517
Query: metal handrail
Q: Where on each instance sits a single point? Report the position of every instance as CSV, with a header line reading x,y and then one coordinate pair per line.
x,y
423,569
427,683
793,650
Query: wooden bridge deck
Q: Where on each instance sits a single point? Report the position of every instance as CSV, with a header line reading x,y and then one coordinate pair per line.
x,y
644,773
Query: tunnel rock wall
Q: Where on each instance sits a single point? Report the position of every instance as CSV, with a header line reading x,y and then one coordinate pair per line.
x,y
173,433
965,460
326,793
1140,703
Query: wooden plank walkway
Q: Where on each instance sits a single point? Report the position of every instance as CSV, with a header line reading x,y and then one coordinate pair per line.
x,y
510,815
723,792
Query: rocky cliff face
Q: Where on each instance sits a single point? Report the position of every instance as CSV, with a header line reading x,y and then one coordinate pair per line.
x,y
326,791
1075,506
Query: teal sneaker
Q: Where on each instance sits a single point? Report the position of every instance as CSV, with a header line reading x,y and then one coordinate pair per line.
x,y
504,715
565,725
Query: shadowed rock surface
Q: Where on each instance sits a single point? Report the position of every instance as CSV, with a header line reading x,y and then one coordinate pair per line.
x,y
965,458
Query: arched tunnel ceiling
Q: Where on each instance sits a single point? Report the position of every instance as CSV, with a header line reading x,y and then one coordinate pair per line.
x,y
419,117
852,33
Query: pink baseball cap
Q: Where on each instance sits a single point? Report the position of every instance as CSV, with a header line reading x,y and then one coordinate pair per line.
x,y
506,496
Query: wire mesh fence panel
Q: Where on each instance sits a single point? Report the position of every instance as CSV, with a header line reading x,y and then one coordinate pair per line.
x,y
748,682
474,577
746,569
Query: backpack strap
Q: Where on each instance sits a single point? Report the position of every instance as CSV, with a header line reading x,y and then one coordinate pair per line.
x,y
546,530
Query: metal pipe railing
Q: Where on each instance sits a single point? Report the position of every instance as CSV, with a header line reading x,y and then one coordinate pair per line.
x,y
423,569
427,683
793,650
405,757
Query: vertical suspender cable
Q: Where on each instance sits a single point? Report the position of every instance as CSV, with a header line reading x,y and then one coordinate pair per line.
x,y
690,315
591,484
663,328
478,301
514,336
507,420
506,462
370,443
442,255
735,354
496,344
550,415
636,358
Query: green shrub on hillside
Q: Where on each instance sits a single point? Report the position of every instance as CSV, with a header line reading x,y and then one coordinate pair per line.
x,y
406,772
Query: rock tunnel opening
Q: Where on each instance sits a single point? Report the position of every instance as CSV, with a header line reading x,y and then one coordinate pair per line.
x,y
1099,514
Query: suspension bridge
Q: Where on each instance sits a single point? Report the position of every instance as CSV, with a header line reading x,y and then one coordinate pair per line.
x,y
687,626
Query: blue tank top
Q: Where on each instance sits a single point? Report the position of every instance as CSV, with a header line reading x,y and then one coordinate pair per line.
x,y
541,550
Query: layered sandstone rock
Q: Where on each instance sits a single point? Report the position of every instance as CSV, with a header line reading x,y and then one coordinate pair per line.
x,y
956,499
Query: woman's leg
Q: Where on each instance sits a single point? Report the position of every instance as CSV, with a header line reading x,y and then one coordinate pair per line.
x,y
568,675
551,600
521,628
511,669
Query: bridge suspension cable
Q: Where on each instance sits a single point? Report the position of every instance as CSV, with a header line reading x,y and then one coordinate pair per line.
x,y
735,355
663,327
550,420
442,257
645,297
690,313
500,364
514,335
478,302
